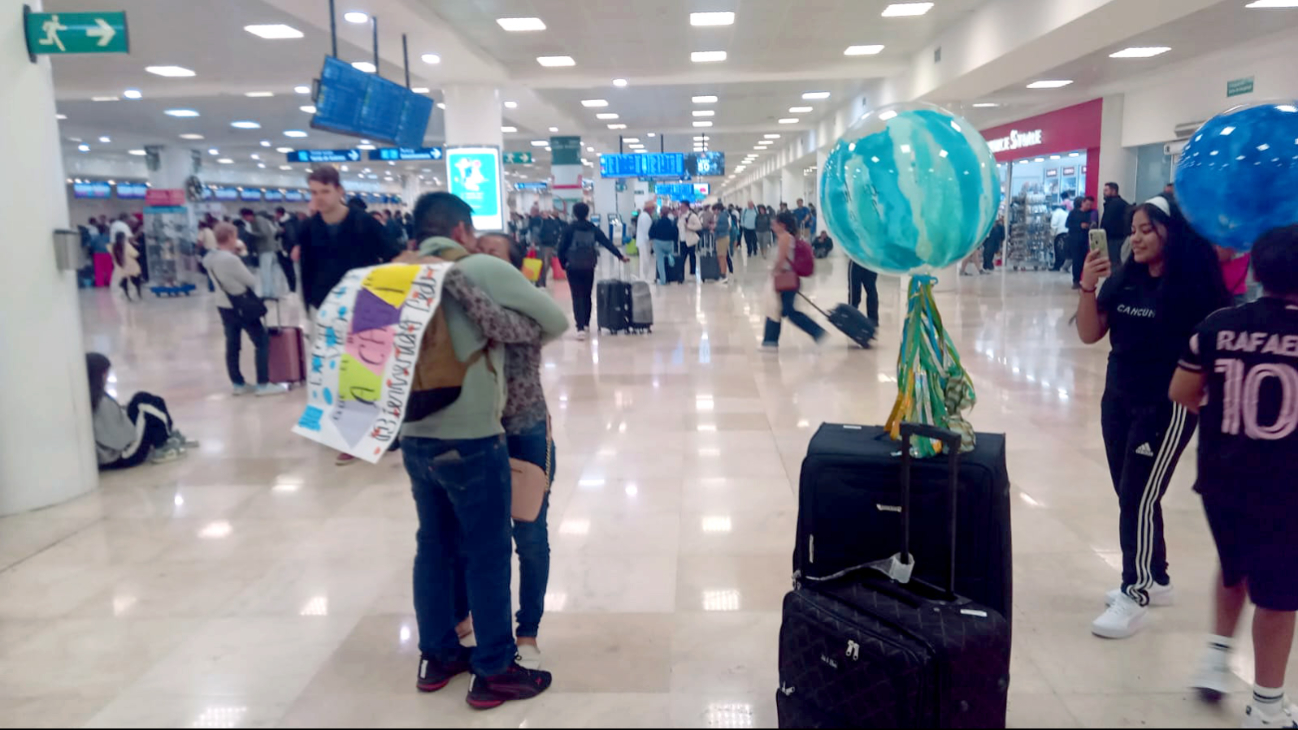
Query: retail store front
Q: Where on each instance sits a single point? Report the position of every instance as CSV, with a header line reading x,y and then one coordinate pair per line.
x,y
1042,161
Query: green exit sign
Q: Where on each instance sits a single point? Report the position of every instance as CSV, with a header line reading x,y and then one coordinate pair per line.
x,y
518,158
62,33
1239,87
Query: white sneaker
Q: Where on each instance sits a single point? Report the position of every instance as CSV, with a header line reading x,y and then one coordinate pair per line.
x,y
245,389
1121,620
582,335
1159,596
529,657
166,454
271,389
1285,718
1213,678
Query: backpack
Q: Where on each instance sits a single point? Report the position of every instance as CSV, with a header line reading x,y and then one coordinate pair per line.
x,y
663,230
439,374
804,259
583,255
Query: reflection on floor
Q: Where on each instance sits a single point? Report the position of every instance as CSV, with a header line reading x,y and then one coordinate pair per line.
x,y
255,583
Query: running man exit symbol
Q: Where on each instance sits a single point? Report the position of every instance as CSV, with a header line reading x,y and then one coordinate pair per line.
x,y
60,33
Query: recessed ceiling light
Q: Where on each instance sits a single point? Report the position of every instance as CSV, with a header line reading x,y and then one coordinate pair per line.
x,y
511,105
245,125
986,105
617,126
364,146
554,129
540,142
105,140
771,136
619,82
863,51
191,136
707,56
365,66
508,130
606,116
286,167
181,113
225,161
431,58
906,10
137,153
594,103
83,147
441,105
169,71
726,18
653,134
1059,84
132,94
60,117
302,89
1273,4
259,94
814,95
703,124
265,143
276,31
255,156
551,61
590,149
105,98
703,113
1141,52
295,133
789,120
420,89
799,109
309,108
356,17
284,150
213,151
703,138
520,25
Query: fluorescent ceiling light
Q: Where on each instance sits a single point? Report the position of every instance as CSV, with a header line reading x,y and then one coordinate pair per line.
x,y
1273,4
863,51
213,151
259,94
441,105
704,113
511,105
295,133
520,25
191,136
906,10
653,134
245,125
365,66
554,129
702,138
619,82
60,117
712,18
255,156
286,167
540,142
771,136
364,146
265,143
169,71
606,115
815,95
704,99
632,140
302,89
132,94
137,153
273,32
508,130
799,109
552,61
356,17
181,113
284,150
703,124
789,120
707,56
1141,52
226,161
309,109
105,98
431,58
986,105
83,147
1059,84
617,126
420,89
594,103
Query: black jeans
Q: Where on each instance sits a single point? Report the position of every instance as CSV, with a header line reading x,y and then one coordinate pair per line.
x,y
234,329
687,251
989,257
1143,445
750,241
290,273
580,283
152,421
859,277
1081,245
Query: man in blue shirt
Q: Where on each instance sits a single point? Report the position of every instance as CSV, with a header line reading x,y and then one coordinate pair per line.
x,y
748,224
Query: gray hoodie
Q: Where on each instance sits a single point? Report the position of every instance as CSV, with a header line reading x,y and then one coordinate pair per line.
x,y
114,432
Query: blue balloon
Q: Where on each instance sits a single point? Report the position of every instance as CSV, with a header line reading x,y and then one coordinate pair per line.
x,y
1237,175
910,187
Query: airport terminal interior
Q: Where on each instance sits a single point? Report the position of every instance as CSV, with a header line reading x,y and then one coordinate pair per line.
x,y
247,573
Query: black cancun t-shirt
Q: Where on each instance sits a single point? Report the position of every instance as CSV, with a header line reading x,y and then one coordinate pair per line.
x,y
1248,435
1146,342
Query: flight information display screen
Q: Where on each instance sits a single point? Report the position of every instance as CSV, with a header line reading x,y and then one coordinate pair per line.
x,y
665,164
352,102
705,164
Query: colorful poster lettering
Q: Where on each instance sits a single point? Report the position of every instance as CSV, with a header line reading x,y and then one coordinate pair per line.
x,y
362,358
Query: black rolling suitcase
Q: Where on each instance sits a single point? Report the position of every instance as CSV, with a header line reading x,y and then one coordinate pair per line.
x,y
709,264
613,305
848,514
868,652
676,265
849,321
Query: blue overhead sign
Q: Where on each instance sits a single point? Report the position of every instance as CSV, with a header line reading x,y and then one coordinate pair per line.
x,y
324,156
531,186
407,153
668,164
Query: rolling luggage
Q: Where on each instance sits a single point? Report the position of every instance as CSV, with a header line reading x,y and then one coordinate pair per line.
x,y
287,353
848,515
676,266
709,264
849,321
613,305
642,307
869,652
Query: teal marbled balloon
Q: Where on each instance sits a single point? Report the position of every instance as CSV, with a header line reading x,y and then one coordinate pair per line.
x,y
909,188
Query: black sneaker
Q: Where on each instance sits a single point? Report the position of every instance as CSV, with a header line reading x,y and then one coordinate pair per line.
x,y
515,683
434,674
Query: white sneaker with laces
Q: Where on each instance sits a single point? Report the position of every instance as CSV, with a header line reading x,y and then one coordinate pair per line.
x,y
271,389
1213,678
1121,620
529,657
582,335
1159,596
245,389
1286,718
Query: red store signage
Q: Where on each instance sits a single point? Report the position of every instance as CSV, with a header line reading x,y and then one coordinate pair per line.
x,y
164,197
1059,132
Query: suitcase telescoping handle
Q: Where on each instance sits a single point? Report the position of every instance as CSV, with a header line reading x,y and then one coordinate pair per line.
x,y
951,442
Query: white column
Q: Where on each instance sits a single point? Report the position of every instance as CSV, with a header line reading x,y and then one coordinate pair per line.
x,y
473,115
172,232
605,198
626,200
790,186
770,191
410,189
47,450
1117,163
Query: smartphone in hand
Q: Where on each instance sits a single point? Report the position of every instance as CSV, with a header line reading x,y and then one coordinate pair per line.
x,y
1100,242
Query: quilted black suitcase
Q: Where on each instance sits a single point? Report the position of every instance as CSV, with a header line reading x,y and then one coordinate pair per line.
x,y
849,321
868,652
613,305
848,514
709,264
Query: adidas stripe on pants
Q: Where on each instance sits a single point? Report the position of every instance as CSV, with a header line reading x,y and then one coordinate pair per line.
x,y
1143,445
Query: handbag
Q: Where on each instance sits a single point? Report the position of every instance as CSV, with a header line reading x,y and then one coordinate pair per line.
x,y
247,306
786,280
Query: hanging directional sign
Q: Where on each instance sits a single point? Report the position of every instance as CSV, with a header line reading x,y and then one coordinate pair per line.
x,y
324,156
406,153
59,33
518,158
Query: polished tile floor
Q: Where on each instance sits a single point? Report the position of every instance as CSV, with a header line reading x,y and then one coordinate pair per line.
x,y
256,584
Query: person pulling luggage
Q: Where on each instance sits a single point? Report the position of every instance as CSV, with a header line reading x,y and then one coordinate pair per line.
x,y
578,254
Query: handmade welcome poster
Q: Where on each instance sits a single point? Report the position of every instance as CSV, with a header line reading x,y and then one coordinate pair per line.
x,y
362,359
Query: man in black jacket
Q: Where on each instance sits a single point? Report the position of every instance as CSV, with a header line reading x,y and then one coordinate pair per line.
x,y
1079,227
579,253
1115,223
551,231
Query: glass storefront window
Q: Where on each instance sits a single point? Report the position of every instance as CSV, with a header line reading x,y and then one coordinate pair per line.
x,y
1037,186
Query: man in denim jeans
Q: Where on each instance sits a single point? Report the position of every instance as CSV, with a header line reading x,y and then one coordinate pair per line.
x,y
460,476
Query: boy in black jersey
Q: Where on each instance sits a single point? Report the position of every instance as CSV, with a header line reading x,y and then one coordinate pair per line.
x,y
1241,373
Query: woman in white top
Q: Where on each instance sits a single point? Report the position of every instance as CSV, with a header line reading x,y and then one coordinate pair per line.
x,y
126,266
784,225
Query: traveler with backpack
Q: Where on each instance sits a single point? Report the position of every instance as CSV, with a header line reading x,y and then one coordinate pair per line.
x,y
791,259
662,239
578,254
551,233
689,226
722,230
